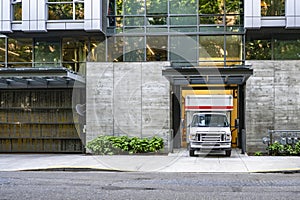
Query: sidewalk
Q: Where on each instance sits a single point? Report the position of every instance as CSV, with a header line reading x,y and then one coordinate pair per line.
x,y
178,161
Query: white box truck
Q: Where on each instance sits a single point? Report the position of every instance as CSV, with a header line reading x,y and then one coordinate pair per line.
x,y
208,127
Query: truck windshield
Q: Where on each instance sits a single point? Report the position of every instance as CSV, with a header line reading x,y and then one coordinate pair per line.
x,y
209,120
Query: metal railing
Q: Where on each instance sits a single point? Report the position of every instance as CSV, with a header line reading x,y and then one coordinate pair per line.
x,y
284,137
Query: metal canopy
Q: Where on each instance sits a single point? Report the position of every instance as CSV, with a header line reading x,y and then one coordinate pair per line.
x,y
207,75
16,78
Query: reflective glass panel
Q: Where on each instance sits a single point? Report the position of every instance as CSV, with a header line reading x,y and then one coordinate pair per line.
x,y
97,52
210,6
155,7
157,47
2,49
234,47
134,7
19,50
47,54
183,48
17,10
272,7
134,21
115,49
287,49
212,49
134,49
183,6
183,20
259,50
79,10
74,53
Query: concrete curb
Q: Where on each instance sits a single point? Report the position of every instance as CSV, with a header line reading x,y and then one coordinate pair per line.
x,y
283,171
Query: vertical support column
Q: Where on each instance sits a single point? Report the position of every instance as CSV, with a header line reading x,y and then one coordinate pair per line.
x,y
34,15
252,14
5,16
176,115
241,117
92,15
292,13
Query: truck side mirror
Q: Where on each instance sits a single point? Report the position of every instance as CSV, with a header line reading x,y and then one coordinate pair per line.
x,y
236,123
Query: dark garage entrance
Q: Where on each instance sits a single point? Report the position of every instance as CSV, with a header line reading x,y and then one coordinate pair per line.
x,y
210,78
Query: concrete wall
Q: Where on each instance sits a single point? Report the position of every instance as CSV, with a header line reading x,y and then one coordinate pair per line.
x,y
272,100
127,99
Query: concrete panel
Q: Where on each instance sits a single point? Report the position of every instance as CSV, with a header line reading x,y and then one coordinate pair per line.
x,y
127,99
155,100
272,100
99,97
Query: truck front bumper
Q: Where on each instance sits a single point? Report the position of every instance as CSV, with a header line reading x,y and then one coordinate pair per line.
x,y
210,146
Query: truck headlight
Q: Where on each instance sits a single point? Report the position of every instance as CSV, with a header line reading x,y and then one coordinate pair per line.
x,y
228,137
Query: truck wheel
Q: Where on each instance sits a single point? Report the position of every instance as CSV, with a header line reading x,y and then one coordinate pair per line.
x,y
228,153
192,152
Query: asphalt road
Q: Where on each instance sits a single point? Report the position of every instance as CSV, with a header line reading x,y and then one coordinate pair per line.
x,y
119,185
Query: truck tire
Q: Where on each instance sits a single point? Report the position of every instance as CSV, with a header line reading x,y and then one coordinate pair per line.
x,y
192,152
228,153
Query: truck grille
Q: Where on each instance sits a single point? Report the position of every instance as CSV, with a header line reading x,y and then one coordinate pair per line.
x,y
210,137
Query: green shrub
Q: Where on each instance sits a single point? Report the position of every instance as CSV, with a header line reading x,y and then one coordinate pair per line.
x,y
109,145
290,150
297,147
275,149
258,153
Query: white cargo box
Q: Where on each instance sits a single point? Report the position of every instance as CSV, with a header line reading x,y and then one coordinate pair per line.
x,y
208,103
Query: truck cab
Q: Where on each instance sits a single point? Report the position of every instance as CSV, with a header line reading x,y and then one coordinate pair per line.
x,y
209,131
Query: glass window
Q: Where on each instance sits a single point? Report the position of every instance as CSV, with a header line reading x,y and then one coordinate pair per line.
x,y
233,6
183,48
134,7
2,51
19,52
287,49
157,20
209,120
17,10
134,49
210,6
65,9
157,7
157,48
234,49
183,7
259,50
272,7
211,49
211,19
97,50
134,21
183,20
74,53
47,53
115,49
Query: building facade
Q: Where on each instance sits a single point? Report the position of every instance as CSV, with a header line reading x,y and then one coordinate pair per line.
x,y
132,62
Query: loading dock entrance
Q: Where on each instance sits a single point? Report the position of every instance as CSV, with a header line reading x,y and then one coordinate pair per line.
x,y
208,80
